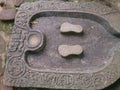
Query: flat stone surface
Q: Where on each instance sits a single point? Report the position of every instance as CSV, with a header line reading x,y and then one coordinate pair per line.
x,y
33,40
97,69
68,27
67,50
7,14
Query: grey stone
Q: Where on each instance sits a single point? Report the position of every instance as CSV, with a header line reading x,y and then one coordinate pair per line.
x,y
96,69
2,45
67,50
68,27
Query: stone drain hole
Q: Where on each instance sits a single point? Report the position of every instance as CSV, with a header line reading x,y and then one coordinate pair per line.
x,y
33,40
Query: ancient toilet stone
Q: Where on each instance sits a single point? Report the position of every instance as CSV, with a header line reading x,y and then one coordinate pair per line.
x,y
67,50
68,27
35,57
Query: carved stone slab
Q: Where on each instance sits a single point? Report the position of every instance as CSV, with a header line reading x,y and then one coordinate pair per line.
x,y
33,58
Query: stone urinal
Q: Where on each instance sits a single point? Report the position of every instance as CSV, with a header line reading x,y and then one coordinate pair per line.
x,y
64,45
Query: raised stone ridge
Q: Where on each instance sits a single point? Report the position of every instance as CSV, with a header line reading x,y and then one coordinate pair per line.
x,y
68,27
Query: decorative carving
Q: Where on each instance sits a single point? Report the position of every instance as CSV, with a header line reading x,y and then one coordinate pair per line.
x,y
26,6
21,19
98,80
15,67
16,45
15,40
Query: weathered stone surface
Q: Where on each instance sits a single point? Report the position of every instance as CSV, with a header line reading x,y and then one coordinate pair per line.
x,y
99,67
7,14
8,10
67,50
68,27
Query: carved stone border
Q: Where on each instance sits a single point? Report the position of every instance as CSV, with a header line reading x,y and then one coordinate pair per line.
x,y
19,74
